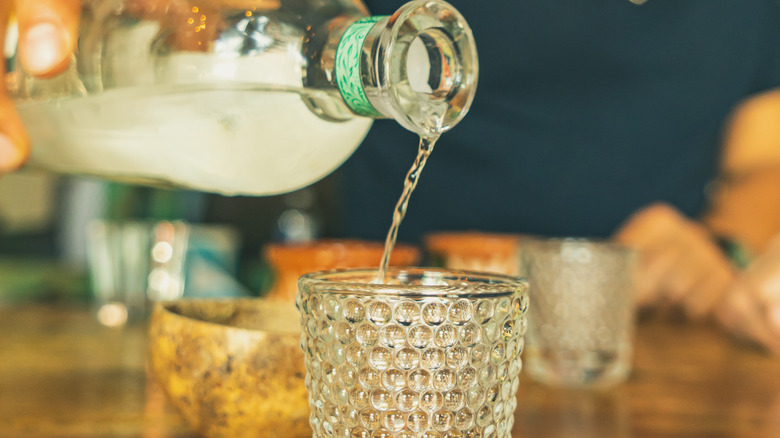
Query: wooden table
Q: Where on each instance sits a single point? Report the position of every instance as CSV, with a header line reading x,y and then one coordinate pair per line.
x,y
64,375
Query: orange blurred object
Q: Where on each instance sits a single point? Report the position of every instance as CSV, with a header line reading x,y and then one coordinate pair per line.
x,y
476,251
291,260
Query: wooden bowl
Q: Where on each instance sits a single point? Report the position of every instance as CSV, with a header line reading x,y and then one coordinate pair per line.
x,y
234,368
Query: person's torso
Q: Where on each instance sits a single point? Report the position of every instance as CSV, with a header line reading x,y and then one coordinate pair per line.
x,y
586,110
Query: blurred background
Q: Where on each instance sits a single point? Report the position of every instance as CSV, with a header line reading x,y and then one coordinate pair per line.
x,y
46,221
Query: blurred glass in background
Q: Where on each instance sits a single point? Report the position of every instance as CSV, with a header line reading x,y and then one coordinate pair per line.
x,y
54,229
134,263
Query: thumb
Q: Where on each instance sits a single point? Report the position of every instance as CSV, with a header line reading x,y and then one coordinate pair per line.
x,y
14,143
48,30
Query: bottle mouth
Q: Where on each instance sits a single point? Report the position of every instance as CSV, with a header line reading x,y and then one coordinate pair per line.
x,y
430,66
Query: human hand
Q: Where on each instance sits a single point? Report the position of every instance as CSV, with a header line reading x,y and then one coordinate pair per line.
x,y
679,262
47,36
750,308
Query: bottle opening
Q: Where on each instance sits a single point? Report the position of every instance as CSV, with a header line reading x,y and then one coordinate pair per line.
x,y
432,66
418,66
426,69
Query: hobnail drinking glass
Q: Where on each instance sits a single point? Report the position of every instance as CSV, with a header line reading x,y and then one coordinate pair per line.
x,y
581,329
429,353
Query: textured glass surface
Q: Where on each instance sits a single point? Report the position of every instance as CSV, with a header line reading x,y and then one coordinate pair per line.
x,y
580,329
435,355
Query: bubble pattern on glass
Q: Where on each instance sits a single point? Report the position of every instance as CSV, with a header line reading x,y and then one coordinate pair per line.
x,y
412,368
582,295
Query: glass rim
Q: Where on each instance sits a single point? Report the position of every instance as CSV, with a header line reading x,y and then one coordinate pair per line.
x,y
194,311
461,38
460,283
599,243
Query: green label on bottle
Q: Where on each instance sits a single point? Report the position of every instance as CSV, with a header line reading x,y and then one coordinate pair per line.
x,y
348,66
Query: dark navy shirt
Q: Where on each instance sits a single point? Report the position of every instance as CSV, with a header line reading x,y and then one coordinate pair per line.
x,y
586,111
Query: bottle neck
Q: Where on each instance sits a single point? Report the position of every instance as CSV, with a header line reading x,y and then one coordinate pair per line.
x,y
353,66
418,66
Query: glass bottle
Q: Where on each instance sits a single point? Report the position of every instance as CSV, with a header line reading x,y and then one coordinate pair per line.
x,y
252,97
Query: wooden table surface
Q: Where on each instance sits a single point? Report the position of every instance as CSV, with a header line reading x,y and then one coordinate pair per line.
x,y
64,375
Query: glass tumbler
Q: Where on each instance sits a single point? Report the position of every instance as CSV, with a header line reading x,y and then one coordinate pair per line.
x,y
431,352
580,332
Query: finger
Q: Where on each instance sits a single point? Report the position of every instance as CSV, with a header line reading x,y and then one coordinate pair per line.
x,y
648,231
647,225
763,277
700,277
773,316
767,280
743,316
770,337
680,278
706,293
14,143
657,264
48,31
